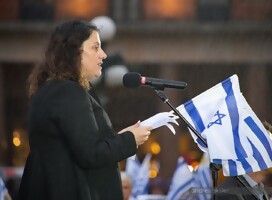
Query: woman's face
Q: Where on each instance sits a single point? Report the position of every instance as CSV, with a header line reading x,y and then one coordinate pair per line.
x,y
92,57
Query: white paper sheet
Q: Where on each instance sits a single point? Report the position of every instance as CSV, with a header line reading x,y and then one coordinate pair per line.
x,y
161,119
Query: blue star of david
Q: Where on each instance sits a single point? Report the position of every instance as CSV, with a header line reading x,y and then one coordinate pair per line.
x,y
217,121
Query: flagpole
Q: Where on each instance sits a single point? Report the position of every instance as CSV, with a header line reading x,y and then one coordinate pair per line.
x,y
213,167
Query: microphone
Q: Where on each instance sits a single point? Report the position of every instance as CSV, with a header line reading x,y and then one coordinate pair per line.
x,y
134,80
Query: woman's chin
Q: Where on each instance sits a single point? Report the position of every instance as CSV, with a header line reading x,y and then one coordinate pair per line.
x,y
96,76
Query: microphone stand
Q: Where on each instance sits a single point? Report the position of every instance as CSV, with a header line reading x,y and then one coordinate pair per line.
x,y
213,167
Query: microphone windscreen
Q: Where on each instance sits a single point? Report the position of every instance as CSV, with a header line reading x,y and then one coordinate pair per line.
x,y
132,80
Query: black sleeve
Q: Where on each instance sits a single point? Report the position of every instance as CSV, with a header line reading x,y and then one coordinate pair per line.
x,y
73,114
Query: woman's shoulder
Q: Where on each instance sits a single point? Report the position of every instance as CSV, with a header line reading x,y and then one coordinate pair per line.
x,y
63,85
58,88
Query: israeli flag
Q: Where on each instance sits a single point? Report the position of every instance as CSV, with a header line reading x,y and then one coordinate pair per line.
x,y
132,168
181,183
3,189
141,179
203,180
235,136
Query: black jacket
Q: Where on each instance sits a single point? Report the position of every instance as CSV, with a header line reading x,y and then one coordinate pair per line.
x,y
74,151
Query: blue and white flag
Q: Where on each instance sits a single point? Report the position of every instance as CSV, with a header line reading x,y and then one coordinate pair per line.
x,y
132,167
3,189
235,136
181,183
141,180
202,179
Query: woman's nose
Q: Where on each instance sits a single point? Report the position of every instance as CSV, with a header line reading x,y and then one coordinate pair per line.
x,y
104,55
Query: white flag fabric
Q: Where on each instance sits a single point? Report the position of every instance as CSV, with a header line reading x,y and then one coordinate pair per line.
x,y
181,183
235,136
140,184
3,189
151,197
132,167
202,179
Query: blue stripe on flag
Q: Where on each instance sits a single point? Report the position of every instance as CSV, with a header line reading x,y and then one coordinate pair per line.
x,y
207,185
247,167
198,184
257,155
232,168
260,134
196,118
206,179
182,187
145,191
234,117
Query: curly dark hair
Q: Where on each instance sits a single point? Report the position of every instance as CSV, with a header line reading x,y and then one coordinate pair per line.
x,y
62,59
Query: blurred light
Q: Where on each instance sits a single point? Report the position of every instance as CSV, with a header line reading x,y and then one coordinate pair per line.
x,y
106,27
16,141
114,75
191,168
16,138
155,148
174,9
154,169
16,134
81,9
194,164
153,173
